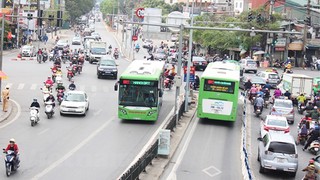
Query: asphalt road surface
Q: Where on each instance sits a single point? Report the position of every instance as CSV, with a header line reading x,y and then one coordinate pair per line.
x,y
97,146
255,133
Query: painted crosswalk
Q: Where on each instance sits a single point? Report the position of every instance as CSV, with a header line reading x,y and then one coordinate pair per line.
x,y
36,87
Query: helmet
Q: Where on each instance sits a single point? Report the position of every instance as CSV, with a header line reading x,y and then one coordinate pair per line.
x,y
12,140
267,89
311,161
7,86
258,95
309,118
51,94
49,77
315,107
35,100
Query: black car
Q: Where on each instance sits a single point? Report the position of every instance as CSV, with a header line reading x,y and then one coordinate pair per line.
x,y
199,63
254,80
107,67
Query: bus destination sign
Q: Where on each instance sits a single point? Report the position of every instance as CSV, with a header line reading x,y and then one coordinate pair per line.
x,y
219,86
137,82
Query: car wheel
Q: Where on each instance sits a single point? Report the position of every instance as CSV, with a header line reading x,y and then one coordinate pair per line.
x,y
99,77
254,72
61,114
258,158
291,122
261,169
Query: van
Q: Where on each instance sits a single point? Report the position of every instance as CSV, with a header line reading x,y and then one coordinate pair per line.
x,y
272,77
247,65
278,152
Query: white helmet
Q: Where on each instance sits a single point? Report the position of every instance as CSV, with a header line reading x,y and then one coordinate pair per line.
x,y
12,140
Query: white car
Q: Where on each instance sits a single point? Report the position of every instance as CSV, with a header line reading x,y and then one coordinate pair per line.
x,y
174,37
76,40
274,123
28,51
62,43
74,102
248,65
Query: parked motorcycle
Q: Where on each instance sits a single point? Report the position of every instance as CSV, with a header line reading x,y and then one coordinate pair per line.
x,y
11,162
34,116
49,109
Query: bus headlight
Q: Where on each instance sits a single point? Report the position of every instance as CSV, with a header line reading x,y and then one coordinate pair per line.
x,y
151,112
123,111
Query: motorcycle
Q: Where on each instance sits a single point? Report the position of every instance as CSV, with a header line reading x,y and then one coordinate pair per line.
x,y
10,162
289,71
116,55
69,74
266,102
60,95
58,78
258,111
74,69
49,109
51,56
44,57
314,147
168,83
64,57
252,98
79,67
137,49
301,108
278,64
39,58
54,75
46,92
34,116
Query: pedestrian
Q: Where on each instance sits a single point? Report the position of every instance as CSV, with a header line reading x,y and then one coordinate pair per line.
x,y
5,98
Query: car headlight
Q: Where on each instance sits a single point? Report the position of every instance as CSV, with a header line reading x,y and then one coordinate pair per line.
x,y
114,70
100,69
63,106
123,111
151,112
81,107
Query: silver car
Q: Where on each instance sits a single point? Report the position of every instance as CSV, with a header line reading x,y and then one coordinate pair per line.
x,y
278,152
285,108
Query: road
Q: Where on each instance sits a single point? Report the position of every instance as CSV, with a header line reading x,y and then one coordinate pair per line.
x,y
255,133
208,150
98,146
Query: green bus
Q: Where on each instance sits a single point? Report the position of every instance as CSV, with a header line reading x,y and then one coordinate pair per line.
x,y
219,91
141,90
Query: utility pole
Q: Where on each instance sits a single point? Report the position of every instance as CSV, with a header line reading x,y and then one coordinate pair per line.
x,y
1,48
305,31
18,25
38,29
189,61
270,49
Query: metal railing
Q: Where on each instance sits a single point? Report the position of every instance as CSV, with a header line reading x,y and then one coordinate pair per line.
x,y
140,165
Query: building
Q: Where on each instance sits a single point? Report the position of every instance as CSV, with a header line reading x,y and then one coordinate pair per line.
x,y
240,5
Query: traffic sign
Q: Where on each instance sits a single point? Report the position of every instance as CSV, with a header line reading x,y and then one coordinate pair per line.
x,y
192,70
140,13
191,79
134,38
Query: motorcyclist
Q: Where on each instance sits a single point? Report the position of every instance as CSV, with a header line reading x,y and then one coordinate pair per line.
x,y
310,171
309,107
258,103
314,134
35,104
151,57
40,54
137,46
12,146
253,91
49,81
72,86
288,67
315,113
247,85
60,87
196,82
301,99
267,85
277,93
52,99
287,94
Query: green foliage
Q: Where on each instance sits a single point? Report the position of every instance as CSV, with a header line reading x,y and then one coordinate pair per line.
x,y
222,40
77,8
109,6
166,8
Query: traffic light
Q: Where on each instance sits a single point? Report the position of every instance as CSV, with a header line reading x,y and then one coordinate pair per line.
x,y
30,16
51,17
259,18
308,21
39,20
250,17
59,18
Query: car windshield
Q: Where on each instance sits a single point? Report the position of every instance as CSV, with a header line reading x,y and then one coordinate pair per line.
x,y
27,48
284,104
251,62
273,76
198,59
98,50
160,51
276,122
62,42
107,63
75,97
282,147
257,80
76,38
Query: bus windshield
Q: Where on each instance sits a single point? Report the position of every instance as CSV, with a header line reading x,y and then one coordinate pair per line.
x,y
219,86
138,93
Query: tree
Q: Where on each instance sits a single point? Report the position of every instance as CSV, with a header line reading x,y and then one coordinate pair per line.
x,y
109,6
77,8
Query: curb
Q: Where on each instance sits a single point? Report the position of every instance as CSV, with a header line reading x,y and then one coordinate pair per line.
x,y
7,114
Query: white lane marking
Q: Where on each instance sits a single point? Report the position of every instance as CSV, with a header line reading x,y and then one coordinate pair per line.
x,y
94,88
151,140
73,151
20,86
15,117
42,132
97,112
105,89
172,175
215,170
33,87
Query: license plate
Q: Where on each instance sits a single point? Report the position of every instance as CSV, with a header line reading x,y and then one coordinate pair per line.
x,y
71,110
200,63
280,160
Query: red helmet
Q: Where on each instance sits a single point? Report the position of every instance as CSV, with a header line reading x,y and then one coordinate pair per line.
x,y
311,161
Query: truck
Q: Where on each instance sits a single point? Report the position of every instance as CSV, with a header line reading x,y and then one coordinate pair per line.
x,y
297,84
97,50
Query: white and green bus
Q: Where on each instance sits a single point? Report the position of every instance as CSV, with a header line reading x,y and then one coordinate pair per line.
x,y
219,91
141,90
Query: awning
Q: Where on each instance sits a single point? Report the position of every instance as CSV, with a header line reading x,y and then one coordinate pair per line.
x,y
3,75
243,51
259,53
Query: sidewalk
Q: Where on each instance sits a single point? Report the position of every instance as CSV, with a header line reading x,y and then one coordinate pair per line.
x,y
5,115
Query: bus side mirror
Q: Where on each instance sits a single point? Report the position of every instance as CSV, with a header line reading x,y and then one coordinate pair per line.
x,y
160,93
116,87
